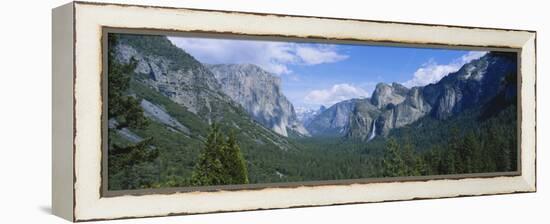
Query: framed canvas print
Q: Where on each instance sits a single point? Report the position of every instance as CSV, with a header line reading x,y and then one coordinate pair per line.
x,y
167,111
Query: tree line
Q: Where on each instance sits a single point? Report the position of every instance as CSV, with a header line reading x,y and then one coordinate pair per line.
x,y
491,148
463,145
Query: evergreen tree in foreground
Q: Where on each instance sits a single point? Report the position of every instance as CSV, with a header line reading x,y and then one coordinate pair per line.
x,y
127,113
234,161
402,160
220,161
392,163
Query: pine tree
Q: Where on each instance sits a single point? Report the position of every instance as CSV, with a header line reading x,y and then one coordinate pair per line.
x,y
411,162
447,165
431,160
234,162
220,161
392,163
127,112
470,148
209,168
126,109
454,156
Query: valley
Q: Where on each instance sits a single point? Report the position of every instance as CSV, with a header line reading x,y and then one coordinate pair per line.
x,y
464,123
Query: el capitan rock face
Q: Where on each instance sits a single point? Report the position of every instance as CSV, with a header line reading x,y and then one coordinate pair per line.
x,y
167,70
259,92
201,87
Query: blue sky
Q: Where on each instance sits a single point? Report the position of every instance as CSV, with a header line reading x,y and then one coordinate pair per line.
x,y
315,74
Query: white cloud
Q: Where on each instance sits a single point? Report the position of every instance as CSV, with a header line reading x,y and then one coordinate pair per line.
x,y
335,94
472,55
431,72
271,56
314,56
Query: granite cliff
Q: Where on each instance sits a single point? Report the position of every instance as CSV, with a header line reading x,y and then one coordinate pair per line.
x,y
393,106
259,93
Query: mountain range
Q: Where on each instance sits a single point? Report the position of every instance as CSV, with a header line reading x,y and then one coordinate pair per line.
x,y
259,93
393,106
200,87
182,98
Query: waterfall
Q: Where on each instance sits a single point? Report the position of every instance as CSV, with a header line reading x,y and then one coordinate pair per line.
x,y
373,132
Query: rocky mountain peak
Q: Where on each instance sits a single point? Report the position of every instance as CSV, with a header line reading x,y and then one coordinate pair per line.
x,y
259,93
393,105
332,121
385,94
243,71
171,72
305,115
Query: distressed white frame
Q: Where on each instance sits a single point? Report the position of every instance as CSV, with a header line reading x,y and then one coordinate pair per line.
x,y
89,20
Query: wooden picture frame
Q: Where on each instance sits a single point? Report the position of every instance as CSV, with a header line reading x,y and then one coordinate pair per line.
x,y
79,155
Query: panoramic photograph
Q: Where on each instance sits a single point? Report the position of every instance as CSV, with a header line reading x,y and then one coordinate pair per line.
x,y
196,111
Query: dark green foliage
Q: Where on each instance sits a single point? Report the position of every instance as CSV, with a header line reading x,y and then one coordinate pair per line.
x,y
124,157
478,140
426,147
400,161
124,108
209,169
220,161
491,147
234,161
392,163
